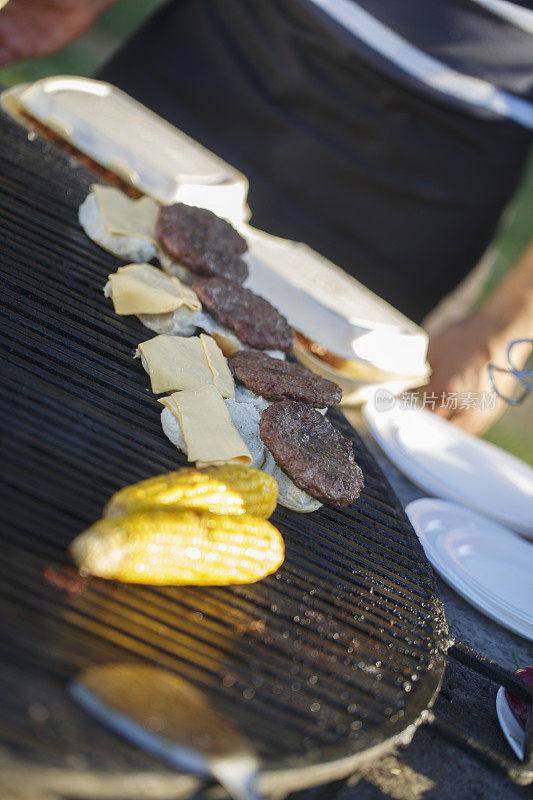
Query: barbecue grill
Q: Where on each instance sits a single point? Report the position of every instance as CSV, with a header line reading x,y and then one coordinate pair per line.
x,y
335,658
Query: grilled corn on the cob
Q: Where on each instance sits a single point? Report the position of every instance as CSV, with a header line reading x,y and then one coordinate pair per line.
x,y
228,489
258,490
180,547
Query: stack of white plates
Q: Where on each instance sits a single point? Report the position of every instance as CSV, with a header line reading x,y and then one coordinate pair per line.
x,y
450,463
478,554
486,563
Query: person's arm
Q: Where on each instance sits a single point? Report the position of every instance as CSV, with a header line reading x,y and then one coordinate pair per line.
x,y
459,355
32,28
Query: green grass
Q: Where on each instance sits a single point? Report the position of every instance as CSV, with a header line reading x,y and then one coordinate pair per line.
x,y
515,231
514,431
90,51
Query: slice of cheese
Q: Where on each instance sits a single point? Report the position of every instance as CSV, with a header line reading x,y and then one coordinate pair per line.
x,y
144,289
222,377
176,363
123,216
210,435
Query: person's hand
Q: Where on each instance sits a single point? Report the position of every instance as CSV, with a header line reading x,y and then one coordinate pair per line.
x,y
459,357
32,28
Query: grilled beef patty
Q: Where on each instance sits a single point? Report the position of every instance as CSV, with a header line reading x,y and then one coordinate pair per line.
x,y
312,452
253,320
202,241
282,380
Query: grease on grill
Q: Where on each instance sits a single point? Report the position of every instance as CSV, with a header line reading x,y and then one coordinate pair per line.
x,y
205,243
312,452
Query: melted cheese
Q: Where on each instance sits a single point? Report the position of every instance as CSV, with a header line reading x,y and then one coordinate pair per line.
x,y
210,435
123,216
176,363
143,289
222,377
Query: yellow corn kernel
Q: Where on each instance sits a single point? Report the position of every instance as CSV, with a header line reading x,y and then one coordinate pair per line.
x,y
258,490
186,547
222,490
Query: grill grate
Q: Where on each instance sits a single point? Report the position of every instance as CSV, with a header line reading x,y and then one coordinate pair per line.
x,y
339,651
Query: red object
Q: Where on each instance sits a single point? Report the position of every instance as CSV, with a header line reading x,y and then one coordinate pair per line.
x,y
66,578
518,706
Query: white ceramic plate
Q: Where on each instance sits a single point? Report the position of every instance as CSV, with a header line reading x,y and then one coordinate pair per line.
x,y
453,464
487,564
509,725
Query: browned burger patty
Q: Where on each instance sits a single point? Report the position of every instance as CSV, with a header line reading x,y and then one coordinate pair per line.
x,y
202,241
253,320
314,454
282,380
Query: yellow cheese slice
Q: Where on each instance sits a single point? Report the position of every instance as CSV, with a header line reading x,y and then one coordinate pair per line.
x,y
144,289
210,435
222,377
123,216
176,363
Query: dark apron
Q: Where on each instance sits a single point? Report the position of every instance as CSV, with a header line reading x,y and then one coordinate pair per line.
x,y
401,190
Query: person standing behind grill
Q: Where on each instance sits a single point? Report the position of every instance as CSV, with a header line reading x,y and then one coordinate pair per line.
x,y
389,136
